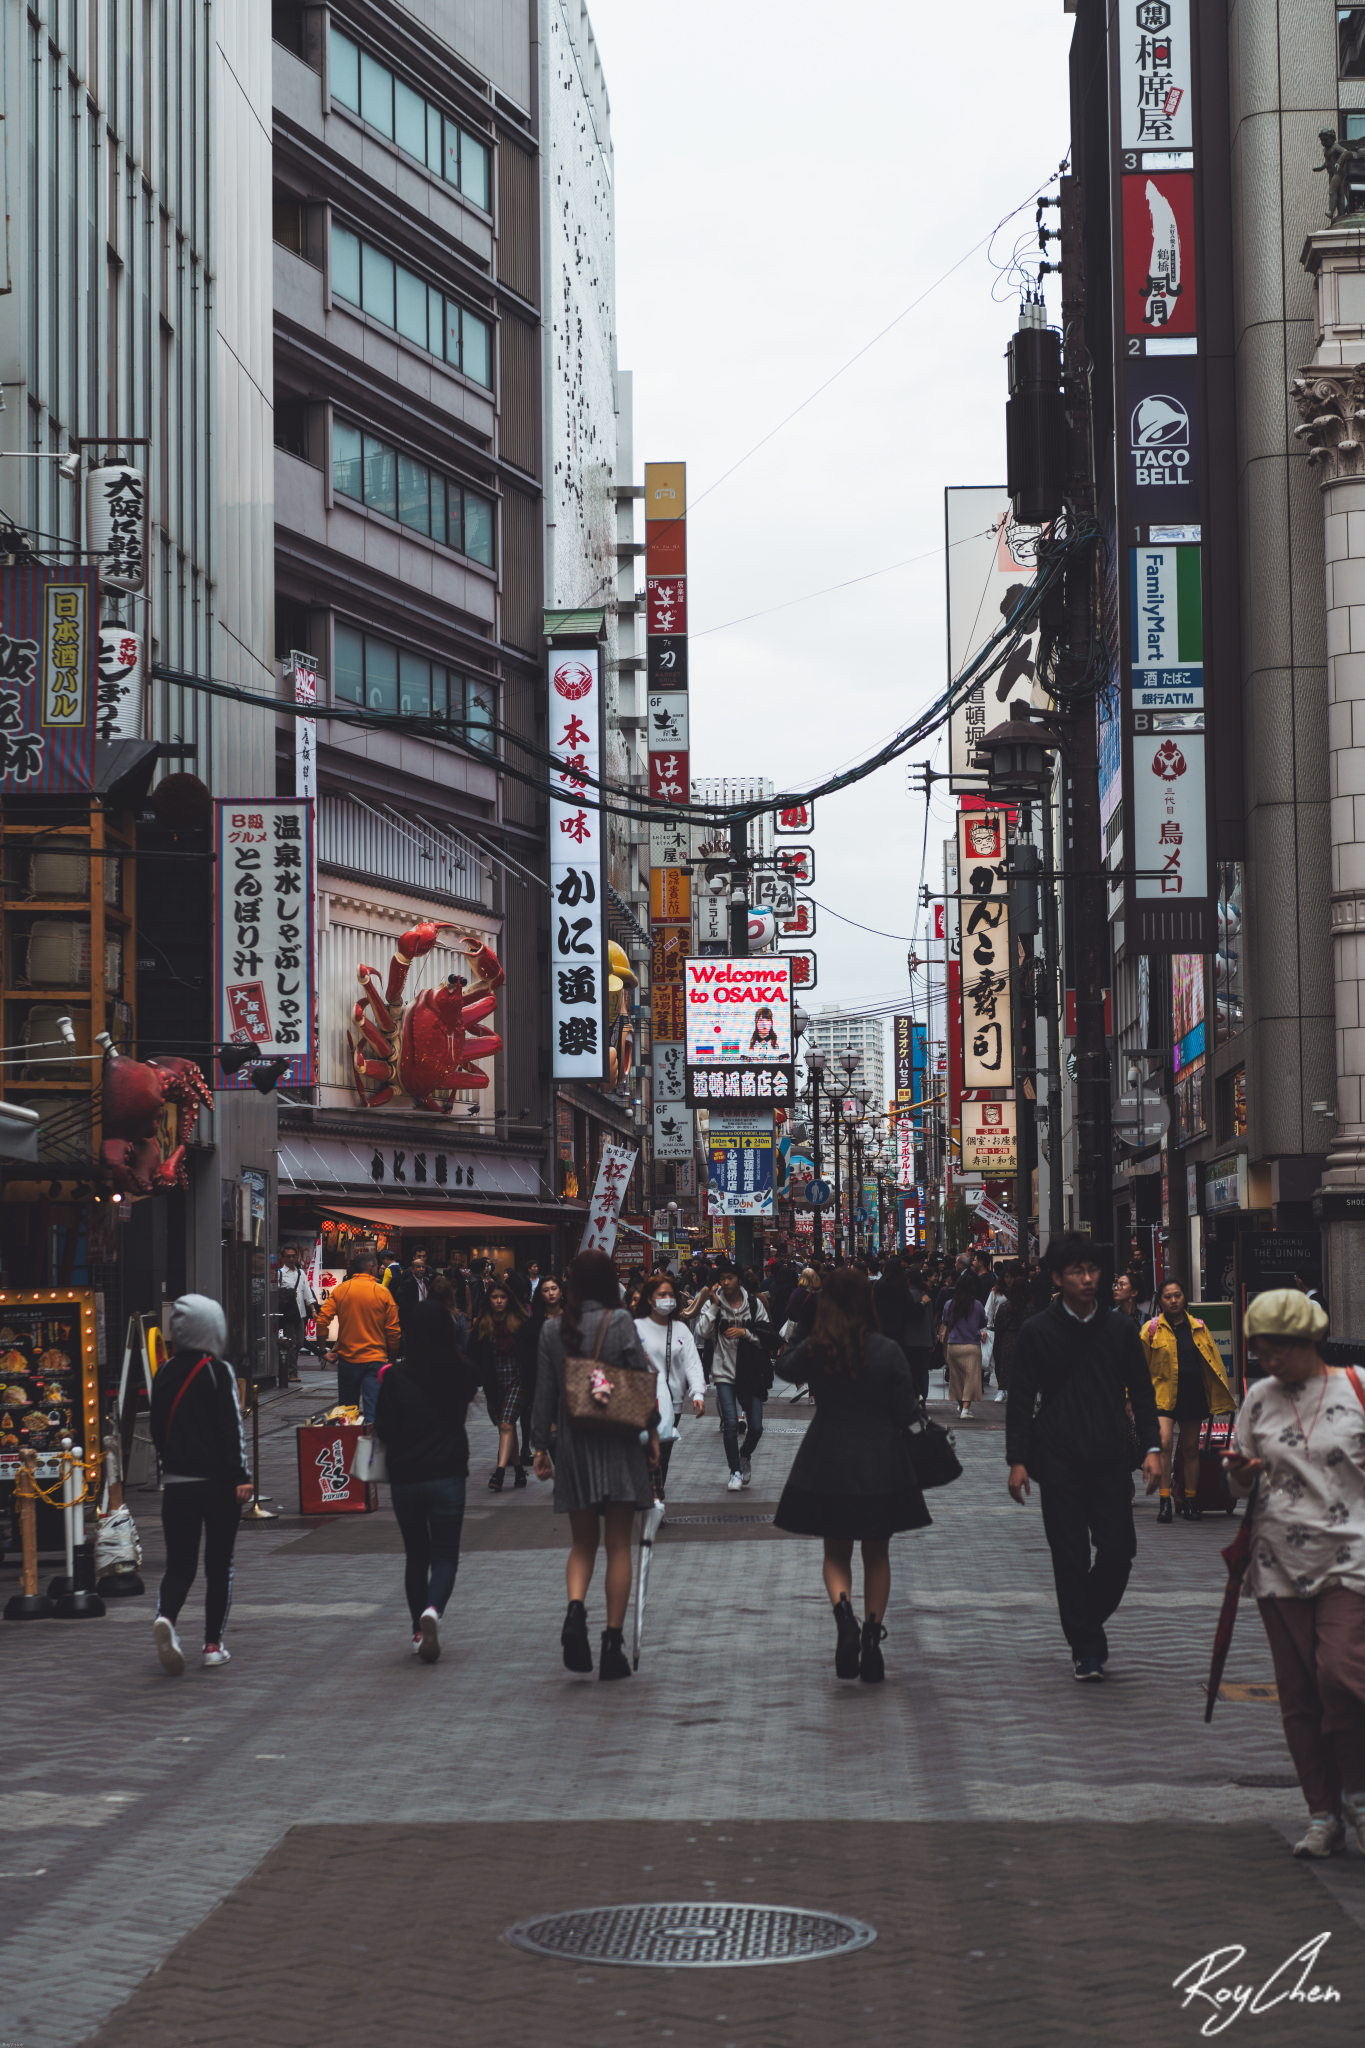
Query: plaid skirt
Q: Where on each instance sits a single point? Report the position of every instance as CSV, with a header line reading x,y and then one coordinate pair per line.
x,y
509,1387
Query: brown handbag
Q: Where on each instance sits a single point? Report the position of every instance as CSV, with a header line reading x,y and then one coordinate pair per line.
x,y
611,1400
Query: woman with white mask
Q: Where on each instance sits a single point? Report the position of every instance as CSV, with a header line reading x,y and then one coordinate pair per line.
x,y
667,1343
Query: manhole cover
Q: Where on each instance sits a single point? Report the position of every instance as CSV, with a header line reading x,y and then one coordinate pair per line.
x,y
691,1936
697,1521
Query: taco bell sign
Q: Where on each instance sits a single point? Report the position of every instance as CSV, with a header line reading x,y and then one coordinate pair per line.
x,y
1161,433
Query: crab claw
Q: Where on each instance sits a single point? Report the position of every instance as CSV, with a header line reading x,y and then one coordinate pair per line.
x,y
422,938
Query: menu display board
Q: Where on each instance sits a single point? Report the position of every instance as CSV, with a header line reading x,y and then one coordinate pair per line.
x,y
48,1378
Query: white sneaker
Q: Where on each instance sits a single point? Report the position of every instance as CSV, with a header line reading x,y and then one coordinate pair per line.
x,y
214,1653
745,1470
736,1481
1324,1837
429,1649
167,1643
1002,1396
1353,1814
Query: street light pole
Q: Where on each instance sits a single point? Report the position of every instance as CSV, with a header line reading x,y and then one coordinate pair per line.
x,y
815,1067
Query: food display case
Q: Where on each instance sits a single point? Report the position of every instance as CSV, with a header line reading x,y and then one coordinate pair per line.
x,y
49,1384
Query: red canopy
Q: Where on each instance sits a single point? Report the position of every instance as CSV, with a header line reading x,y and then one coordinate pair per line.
x,y
451,1222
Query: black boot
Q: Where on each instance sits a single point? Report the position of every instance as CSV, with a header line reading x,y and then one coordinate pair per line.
x,y
1193,1511
518,1475
615,1663
1166,1513
849,1649
871,1668
495,1479
574,1637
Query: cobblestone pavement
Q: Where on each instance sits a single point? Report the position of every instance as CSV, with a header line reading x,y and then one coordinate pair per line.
x,y
326,1839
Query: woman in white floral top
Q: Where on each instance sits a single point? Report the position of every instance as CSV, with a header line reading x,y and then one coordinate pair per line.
x,y
1301,1441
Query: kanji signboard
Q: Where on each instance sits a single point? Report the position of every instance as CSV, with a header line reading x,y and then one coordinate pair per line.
x,y
49,701
988,1144
987,1011
578,970
613,1178
265,949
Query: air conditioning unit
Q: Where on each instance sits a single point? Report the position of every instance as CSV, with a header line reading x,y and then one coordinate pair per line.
x,y
58,954
59,874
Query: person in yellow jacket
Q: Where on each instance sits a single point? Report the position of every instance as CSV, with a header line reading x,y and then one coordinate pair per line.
x,y
1190,1383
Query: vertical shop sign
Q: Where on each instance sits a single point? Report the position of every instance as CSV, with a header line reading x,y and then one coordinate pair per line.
x,y
578,936
613,1176
987,1010
904,1033
305,673
1155,99
116,524
670,782
49,703
989,563
120,682
265,932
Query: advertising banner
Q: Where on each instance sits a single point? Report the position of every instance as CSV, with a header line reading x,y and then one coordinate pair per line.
x,y
304,670
668,722
987,576
578,973
1158,253
266,897
987,1009
741,1165
1166,606
903,1038
49,700
1161,440
672,1130
1170,838
613,1177
988,1139
739,1012
1155,100
905,1151
665,518
668,777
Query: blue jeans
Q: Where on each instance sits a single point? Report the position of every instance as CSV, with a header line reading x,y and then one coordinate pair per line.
x,y
358,1385
430,1515
731,1408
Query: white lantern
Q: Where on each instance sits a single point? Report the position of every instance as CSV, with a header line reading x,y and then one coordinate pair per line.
x,y
116,524
120,684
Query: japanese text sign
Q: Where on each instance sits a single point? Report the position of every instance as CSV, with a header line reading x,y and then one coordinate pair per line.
x,y
1154,74
987,1014
265,949
48,698
1170,836
578,943
613,1177
988,1139
741,1165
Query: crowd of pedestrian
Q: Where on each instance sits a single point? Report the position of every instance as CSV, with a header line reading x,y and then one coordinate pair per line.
x,y
1094,1391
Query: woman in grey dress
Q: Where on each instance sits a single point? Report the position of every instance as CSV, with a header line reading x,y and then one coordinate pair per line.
x,y
599,1479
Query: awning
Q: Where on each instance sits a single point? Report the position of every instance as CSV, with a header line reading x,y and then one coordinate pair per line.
x,y
450,1222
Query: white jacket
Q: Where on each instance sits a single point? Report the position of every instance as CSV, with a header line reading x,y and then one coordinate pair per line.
x,y
720,1315
678,1365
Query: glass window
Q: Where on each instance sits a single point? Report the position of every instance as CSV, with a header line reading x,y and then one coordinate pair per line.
x,y
451,350
434,139
438,693
474,171
438,507
345,71
452,153
381,675
376,94
482,700
478,528
345,264
286,220
412,307
1228,980
380,491
436,320
347,472
409,120
412,494
376,272
348,666
475,349
414,685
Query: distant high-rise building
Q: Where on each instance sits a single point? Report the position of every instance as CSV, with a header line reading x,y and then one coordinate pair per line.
x,y
829,1031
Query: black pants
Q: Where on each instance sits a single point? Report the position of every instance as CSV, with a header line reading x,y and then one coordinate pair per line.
x,y
666,1444
1084,1505
187,1508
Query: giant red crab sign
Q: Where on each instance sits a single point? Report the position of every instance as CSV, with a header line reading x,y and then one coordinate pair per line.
x,y
133,1094
426,1049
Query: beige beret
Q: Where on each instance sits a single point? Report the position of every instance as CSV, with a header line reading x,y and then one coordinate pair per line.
x,y
1284,1312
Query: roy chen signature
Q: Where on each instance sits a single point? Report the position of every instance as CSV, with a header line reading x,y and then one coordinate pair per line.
x,y
1213,1983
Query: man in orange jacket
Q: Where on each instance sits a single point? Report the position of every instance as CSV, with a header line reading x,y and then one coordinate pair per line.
x,y
368,1334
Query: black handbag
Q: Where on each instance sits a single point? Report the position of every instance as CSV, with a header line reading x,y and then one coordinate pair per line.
x,y
931,1452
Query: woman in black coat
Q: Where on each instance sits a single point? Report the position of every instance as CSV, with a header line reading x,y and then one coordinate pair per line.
x,y
905,1313
1009,1321
852,1480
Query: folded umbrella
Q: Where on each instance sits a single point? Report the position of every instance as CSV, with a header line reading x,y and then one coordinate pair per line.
x,y
650,1520
1237,1557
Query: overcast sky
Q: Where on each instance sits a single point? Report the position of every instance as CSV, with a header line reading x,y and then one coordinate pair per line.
x,y
782,193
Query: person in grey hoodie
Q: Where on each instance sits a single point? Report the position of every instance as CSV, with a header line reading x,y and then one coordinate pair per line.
x,y
198,1433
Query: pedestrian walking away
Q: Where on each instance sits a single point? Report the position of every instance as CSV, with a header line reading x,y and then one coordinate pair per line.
x,y
905,1313
420,1420
547,1304
369,1333
1299,1442
1190,1383
600,1479
1080,1365
1009,1321
739,1369
494,1351
669,1346
852,1480
963,1322
197,1428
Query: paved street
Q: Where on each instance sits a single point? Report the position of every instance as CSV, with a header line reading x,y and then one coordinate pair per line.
x,y
326,1841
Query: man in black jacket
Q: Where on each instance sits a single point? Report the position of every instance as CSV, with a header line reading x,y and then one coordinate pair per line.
x,y
410,1288
1077,1364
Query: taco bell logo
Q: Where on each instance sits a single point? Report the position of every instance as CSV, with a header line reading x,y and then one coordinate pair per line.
x,y
1160,438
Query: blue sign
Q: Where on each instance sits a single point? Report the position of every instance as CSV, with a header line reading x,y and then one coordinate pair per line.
x,y
818,1193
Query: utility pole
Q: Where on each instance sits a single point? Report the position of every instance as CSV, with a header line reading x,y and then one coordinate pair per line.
x,y
739,950
1084,852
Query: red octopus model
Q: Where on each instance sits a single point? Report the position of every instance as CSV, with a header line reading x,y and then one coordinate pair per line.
x,y
426,1049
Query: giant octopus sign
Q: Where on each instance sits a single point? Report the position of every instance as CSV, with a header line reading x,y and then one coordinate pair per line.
x,y
425,1049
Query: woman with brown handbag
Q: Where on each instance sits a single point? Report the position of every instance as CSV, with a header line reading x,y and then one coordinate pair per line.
x,y
600,1467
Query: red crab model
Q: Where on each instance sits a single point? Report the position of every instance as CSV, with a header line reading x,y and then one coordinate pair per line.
x,y
427,1048
134,1093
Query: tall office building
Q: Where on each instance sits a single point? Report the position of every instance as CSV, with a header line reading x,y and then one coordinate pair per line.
x,y
829,1031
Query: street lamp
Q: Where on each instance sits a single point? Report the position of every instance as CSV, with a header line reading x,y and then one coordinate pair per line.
x,y
815,1067
672,1229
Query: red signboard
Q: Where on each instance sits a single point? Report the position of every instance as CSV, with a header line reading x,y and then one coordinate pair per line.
x,y
248,1015
666,602
665,547
803,969
797,818
325,1483
1158,253
668,777
1070,1031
